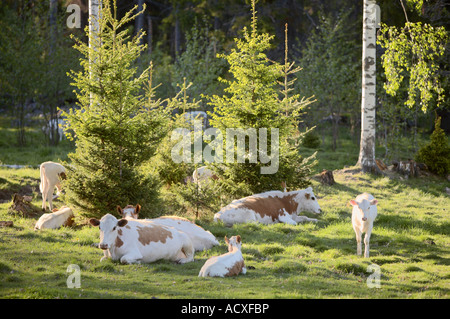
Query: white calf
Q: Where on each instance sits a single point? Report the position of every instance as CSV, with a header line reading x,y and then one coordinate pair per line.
x,y
62,217
202,175
201,239
51,173
229,264
136,241
270,207
363,214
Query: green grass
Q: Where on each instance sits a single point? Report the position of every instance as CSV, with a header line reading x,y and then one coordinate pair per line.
x,y
410,242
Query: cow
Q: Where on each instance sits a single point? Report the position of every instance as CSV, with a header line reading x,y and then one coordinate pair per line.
x,y
136,241
56,219
51,175
364,213
201,239
270,207
229,264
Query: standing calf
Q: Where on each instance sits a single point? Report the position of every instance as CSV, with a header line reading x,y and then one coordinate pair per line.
x,y
51,173
363,214
229,264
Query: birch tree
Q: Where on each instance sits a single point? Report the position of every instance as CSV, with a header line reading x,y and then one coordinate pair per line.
x,y
367,147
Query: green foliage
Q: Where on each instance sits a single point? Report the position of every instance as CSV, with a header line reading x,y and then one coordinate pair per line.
x,y
311,140
117,127
198,64
331,70
436,154
411,55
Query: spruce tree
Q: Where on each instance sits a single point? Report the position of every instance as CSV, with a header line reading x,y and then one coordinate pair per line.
x,y
252,102
117,126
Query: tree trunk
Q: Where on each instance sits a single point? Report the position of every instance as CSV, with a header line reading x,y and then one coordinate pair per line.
x,y
139,21
367,145
94,11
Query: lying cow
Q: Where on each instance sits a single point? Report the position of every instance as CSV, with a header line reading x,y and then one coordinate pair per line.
x,y
270,207
136,241
51,175
363,214
201,239
229,264
56,219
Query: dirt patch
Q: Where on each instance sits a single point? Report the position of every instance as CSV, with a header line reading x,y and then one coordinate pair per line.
x,y
22,205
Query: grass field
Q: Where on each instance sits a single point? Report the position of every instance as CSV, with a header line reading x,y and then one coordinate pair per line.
x,y
410,244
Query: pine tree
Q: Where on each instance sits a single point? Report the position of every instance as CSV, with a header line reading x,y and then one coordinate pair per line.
x,y
117,127
252,102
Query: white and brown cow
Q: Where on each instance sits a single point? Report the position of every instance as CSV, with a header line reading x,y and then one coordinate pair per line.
x,y
56,219
229,264
51,173
201,239
136,241
270,207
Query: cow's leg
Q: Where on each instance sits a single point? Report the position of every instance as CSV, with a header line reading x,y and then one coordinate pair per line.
x,y
358,240
50,197
188,251
287,219
131,258
44,190
106,255
302,219
366,244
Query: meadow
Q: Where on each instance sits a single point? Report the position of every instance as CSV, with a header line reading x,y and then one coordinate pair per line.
x,y
410,246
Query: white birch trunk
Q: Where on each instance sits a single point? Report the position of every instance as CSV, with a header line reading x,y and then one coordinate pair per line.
x,y
94,16
367,147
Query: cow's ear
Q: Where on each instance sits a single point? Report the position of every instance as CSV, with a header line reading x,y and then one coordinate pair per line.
x,y
352,202
373,202
119,210
137,209
238,237
226,240
94,222
122,222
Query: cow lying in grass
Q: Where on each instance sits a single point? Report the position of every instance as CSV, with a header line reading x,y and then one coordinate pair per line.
x,y
133,241
51,174
229,264
363,214
201,239
270,207
56,219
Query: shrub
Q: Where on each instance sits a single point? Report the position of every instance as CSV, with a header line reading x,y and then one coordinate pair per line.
x,y
311,140
436,154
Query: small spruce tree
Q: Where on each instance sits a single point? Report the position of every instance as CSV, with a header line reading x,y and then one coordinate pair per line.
x,y
252,101
117,127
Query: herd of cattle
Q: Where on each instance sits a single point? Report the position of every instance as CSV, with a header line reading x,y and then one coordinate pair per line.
x,y
133,240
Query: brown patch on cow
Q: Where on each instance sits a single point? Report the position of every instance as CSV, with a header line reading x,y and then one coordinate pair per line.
x,y
119,232
62,176
118,242
235,269
307,195
153,233
270,206
69,221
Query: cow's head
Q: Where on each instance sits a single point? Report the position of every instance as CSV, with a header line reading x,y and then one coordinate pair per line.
x,y
129,211
309,201
108,229
234,241
363,207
